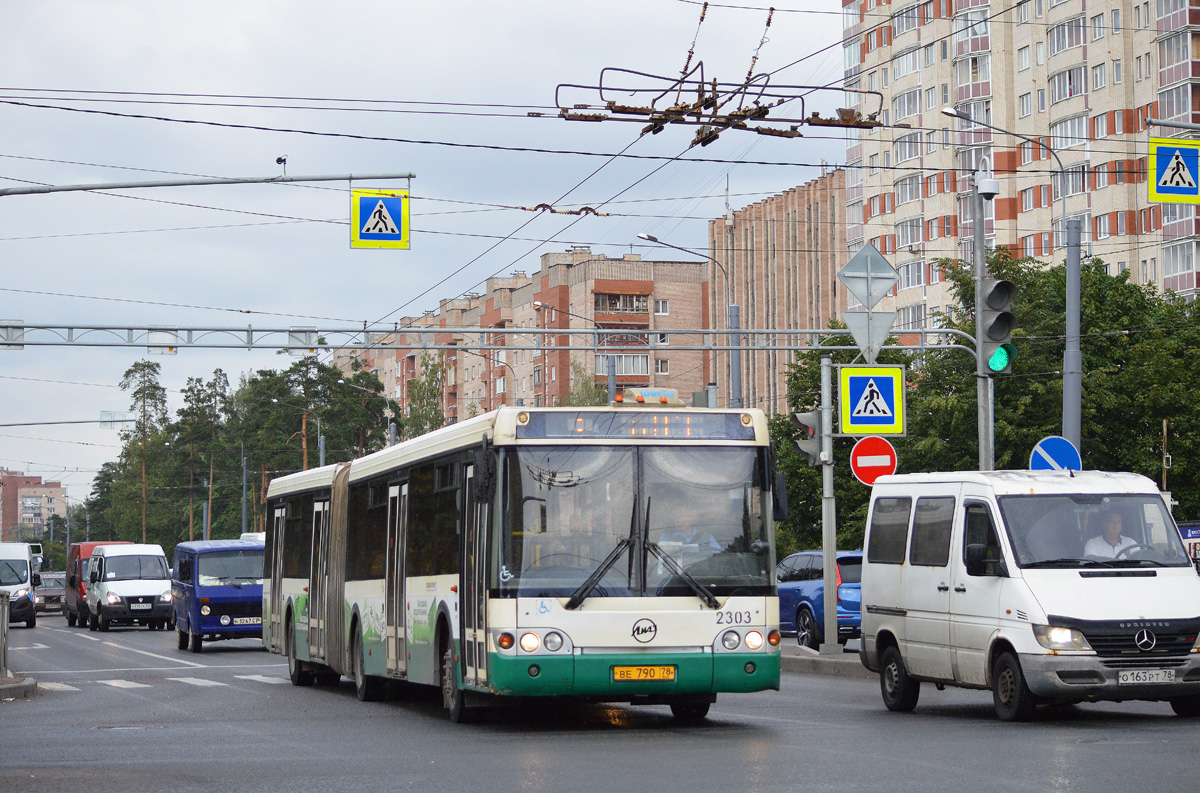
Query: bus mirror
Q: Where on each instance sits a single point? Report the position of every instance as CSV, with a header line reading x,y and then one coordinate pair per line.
x,y
779,499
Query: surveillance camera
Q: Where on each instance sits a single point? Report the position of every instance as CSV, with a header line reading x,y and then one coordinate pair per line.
x,y
989,188
281,160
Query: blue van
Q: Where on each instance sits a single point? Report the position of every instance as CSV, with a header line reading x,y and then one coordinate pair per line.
x,y
216,587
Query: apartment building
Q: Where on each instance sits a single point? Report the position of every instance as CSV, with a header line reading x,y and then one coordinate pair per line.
x,y
782,255
1082,77
637,305
26,505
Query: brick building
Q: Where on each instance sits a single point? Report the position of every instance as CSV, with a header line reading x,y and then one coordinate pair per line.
x,y
26,504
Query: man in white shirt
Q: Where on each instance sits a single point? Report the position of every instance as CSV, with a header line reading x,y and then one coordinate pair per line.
x,y
1110,542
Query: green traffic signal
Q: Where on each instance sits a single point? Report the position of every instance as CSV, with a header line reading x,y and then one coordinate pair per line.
x,y
995,326
1001,358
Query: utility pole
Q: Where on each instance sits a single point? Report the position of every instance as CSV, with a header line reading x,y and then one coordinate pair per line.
x,y
1072,355
828,511
245,511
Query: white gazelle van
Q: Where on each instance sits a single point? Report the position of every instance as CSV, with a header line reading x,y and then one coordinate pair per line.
x,y
1043,586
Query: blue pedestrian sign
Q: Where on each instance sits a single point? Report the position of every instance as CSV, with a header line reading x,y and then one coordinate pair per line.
x,y
1055,453
1174,171
871,400
379,219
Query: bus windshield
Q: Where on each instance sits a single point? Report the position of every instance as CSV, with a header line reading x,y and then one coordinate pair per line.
x,y
660,520
229,567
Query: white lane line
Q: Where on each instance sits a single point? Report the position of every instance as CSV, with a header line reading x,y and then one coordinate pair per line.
x,y
34,646
196,681
55,687
156,655
123,684
263,679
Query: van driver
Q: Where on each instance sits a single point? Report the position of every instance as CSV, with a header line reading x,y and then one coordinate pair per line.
x,y
1110,542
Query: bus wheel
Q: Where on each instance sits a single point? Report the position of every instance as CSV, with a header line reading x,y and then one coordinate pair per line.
x,y
297,671
368,688
690,711
452,696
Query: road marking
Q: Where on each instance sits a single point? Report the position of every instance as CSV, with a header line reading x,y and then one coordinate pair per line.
x,y
156,655
196,681
263,678
55,687
123,684
34,646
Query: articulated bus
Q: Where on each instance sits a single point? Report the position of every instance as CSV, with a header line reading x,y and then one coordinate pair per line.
x,y
611,554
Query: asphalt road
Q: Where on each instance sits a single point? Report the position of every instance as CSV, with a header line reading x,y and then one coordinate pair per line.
x,y
127,711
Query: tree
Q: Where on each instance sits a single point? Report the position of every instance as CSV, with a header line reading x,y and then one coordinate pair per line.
x,y
424,412
584,391
149,400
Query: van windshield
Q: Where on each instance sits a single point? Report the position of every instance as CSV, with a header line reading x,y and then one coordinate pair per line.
x,y
13,571
1092,530
229,567
132,568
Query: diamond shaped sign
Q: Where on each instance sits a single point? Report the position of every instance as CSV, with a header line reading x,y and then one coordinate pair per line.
x,y
868,276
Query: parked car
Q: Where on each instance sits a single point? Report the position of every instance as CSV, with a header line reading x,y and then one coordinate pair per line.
x,y
802,597
216,590
129,584
18,580
49,594
75,597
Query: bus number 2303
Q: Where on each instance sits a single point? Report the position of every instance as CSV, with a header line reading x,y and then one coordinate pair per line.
x,y
733,617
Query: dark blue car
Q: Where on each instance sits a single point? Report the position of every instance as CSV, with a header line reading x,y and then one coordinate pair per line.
x,y
216,587
802,597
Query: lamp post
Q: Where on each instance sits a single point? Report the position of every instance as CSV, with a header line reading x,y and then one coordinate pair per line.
x,y
388,412
1072,355
610,363
733,320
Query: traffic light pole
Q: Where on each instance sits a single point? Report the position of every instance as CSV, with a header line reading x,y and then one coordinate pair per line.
x,y
1072,355
830,645
983,391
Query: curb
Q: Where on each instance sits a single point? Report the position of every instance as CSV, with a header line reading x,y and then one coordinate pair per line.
x,y
17,688
845,665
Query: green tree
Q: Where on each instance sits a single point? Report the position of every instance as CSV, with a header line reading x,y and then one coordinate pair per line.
x,y
584,391
149,402
424,412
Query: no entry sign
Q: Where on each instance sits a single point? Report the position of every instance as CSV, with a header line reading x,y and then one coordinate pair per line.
x,y
871,458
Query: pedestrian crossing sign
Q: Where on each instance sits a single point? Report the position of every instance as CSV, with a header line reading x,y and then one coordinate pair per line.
x,y
871,400
1174,171
379,219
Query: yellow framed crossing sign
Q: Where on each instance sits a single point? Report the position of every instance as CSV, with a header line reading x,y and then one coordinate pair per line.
x,y
1174,171
379,219
871,400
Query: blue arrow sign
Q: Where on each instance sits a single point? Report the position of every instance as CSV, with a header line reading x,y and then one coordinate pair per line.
x,y
1055,453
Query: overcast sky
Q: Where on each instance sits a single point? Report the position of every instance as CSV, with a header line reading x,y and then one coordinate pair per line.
x,y
279,255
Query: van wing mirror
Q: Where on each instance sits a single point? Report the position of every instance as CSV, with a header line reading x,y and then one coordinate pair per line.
x,y
92,577
37,580
976,559
72,581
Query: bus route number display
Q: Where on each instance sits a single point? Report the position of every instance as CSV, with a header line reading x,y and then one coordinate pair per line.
x,y
676,425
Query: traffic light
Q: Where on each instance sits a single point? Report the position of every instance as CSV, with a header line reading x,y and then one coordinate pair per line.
x,y
996,323
809,442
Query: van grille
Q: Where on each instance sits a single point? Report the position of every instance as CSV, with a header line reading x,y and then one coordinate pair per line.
x,y
236,609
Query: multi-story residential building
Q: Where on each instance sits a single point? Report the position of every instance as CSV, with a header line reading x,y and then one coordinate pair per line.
x,y
1083,78
634,302
26,505
782,256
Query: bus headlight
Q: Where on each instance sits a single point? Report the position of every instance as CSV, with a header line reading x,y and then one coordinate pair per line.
x,y
1055,638
731,640
553,641
205,611
530,642
754,640
225,619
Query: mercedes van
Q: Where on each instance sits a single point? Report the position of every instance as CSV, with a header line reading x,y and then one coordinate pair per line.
x,y
128,584
1042,586
18,579
216,589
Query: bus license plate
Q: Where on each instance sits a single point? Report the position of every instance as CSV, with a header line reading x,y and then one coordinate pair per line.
x,y
634,674
247,620
1136,677
140,606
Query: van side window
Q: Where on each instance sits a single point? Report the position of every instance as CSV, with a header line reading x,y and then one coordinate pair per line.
x,y
979,530
183,568
932,527
889,530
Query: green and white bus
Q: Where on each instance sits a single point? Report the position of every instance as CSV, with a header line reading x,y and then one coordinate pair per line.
x,y
611,554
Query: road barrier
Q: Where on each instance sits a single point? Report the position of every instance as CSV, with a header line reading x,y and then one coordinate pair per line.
x,y
3,635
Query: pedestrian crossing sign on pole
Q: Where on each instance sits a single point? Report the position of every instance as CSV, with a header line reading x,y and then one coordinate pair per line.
x,y
1174,171
379,219
871,400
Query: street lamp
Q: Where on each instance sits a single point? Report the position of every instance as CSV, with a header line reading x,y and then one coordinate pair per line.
x,y
610,363
388,412
733,320
1072,355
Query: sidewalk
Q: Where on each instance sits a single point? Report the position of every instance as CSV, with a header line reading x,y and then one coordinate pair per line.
x,y
17,687
806,661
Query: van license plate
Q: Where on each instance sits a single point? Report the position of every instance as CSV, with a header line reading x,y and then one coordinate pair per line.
x,y
247,620
634,674
1136,677
140,606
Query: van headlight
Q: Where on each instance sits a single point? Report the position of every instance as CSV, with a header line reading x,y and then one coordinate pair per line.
x,y
112,598
1057,638
20,593
165,597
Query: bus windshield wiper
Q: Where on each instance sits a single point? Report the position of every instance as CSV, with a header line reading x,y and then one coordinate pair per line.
x,y
593,580
709,599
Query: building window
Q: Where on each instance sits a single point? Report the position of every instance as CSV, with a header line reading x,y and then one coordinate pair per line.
x,y
662,366
1116,21
1023,13
1066,35
1116,72
662,339
1098,80
1022,59
972,69
970,24
873,160
1177,259
906,63
621,304
907,104
1026,104
1100,123
1026,153
905,19
1101,175
1040,48
1068,84
1097,27
1101,227
929,55
661,307
1173,50
1174,103
910,316
930,98
1073,179
625,364
908,232
1041,100
1027,199
912,274
907,147
908,189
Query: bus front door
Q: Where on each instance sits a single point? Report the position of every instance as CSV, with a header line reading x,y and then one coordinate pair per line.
x,y
316,580
394,581
474,590
275,629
